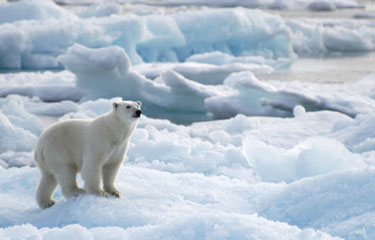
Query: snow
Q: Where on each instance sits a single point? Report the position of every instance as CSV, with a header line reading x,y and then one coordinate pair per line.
x,y
106,72
99,10
317,5
210,179
254,97
14,138
312,157
317,37
287,159
182,212
314,199
31,10
36,44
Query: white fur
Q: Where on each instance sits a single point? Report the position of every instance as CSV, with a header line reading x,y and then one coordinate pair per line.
x,y
96,148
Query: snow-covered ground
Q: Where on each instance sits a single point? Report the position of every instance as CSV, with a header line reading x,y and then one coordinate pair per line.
x,y
273,159
245,177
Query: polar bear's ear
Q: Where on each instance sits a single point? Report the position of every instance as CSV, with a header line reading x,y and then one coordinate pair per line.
x,y
139,103
115,105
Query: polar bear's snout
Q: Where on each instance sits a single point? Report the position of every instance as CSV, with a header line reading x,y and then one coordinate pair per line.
x,y
137,113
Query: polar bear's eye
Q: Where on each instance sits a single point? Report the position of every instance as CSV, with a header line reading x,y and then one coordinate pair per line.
x,y
128,106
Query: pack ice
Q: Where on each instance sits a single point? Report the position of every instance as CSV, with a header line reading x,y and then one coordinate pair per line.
x,y
34,38
276,160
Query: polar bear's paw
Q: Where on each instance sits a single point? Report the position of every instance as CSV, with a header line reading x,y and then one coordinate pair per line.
x,y
78,191
115,193
102,194
47,204
112,191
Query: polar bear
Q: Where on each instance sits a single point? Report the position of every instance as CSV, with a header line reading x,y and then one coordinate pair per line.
x,y
96,148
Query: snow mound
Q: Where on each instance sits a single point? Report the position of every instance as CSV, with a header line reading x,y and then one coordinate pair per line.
x,y
314,156
326,203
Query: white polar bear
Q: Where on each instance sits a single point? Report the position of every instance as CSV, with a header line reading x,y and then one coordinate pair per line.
x,y
96,148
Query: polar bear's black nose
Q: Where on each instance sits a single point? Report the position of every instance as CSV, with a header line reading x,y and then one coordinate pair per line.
x,y
138,113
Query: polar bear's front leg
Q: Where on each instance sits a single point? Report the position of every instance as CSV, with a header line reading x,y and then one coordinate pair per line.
x,y
92,176
110,171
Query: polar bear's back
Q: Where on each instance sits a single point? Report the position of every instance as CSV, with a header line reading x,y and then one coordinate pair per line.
x,y
63,141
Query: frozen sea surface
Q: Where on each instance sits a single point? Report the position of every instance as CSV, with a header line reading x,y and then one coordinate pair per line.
x,y
278,106
214,179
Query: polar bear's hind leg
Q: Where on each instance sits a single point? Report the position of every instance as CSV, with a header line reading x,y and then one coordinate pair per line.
x,y
67,178
46,187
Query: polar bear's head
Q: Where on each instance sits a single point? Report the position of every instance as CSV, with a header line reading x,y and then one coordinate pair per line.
x,y
127,111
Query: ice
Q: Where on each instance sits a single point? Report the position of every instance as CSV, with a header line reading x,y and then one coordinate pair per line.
x,y
99,10
319,5
205,73
17,159
364,16
326,202
106,72
273,98
46,93
188,206
209,179
14,138
221,58
294,160
314,156
298,110
359,136
31,10
315,5
312,38
15,110
36,44
242,35
35,79
51,109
